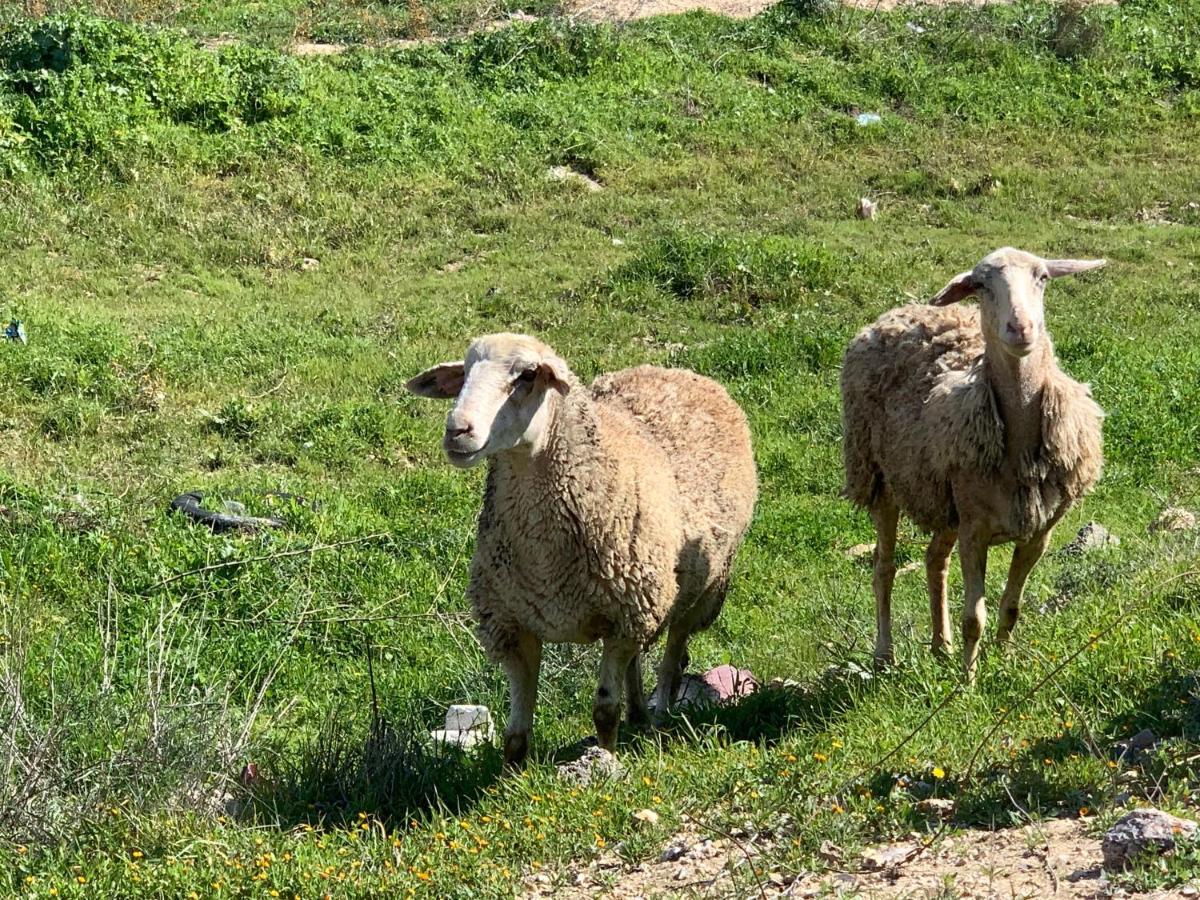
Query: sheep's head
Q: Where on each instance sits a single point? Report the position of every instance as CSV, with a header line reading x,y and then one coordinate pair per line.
x,y
504,393
1010,285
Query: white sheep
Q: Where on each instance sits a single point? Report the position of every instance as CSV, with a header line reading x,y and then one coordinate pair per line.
x,y
960,418
611,513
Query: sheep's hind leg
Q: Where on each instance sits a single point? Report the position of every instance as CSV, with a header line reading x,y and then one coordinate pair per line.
x,y
521,664
1025,557
670,669
885,516
614,666
637,713
937,565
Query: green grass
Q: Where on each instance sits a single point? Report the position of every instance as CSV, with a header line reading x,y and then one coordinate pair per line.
x,y
159,201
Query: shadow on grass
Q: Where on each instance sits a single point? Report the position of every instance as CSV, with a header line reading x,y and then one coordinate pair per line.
x,y
765,716
393,773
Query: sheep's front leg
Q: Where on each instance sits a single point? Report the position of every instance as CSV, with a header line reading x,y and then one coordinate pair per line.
x,y
635,694
606,711
1025,557
885,516
521,664
937,565
972,551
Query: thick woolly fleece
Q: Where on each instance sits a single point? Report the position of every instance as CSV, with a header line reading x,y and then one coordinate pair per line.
x,y
628,518
921,420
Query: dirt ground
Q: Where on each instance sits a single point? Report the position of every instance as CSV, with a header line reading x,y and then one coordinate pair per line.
x,y
1057,859
627,10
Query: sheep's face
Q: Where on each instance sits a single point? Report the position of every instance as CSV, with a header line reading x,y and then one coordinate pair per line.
x,y
1010,285
504,394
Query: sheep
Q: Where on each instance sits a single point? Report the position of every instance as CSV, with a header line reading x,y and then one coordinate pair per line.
x,y
610,513
960,418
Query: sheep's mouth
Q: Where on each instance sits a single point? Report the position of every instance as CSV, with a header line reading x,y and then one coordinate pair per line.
x,y
464,459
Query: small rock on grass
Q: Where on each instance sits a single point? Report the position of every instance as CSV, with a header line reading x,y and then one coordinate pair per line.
x,y
1174,518
1092,536
860,550
1133,747
1143,832
596,764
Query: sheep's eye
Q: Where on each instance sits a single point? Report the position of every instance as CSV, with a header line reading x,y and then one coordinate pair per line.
x,y
527,376
1043,277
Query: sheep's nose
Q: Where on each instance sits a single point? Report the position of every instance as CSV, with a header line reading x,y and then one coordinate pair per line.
x,y
1023,333
452,432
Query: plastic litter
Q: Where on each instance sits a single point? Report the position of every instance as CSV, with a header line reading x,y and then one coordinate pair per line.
x,y
15,331
868,118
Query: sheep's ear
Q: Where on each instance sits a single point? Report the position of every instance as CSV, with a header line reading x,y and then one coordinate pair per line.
x,y
1059,267
961,287
441,382
555,373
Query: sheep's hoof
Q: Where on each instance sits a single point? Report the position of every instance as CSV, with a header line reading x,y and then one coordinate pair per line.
x,y
638,718
607,718
884,660
516,750
941,650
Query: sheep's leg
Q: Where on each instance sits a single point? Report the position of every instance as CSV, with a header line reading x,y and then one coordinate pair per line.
x,y
972,551
614,666
1025,557
521,664
670,670
637,713
885,515
937,565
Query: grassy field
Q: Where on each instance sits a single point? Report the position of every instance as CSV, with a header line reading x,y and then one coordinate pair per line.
x,y
228,262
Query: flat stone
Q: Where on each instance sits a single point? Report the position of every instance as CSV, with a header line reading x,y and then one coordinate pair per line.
x,y
887,857
1143,832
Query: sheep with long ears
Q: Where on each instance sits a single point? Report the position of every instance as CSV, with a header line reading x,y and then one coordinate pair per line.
x,y
611,513
960,418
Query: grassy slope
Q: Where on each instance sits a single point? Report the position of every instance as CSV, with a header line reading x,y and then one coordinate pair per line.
x,y
154,243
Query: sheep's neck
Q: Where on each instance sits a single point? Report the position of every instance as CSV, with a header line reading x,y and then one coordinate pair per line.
x,y
1019,385
552,469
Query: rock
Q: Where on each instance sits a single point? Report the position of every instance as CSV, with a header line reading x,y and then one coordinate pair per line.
x,y
1131,748
1143,831
830,852
466,726
469,717
730,683
937,806
646,818
596,764
567,174
673,851
308,264
860,550
683,873
909,567
1174,518
867,209
783,684
887,857
1092,536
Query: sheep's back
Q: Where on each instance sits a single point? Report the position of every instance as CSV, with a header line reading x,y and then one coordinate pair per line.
x,y
704,435
890,370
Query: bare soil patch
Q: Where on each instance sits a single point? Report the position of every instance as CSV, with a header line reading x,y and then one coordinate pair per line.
x,y
1059,859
